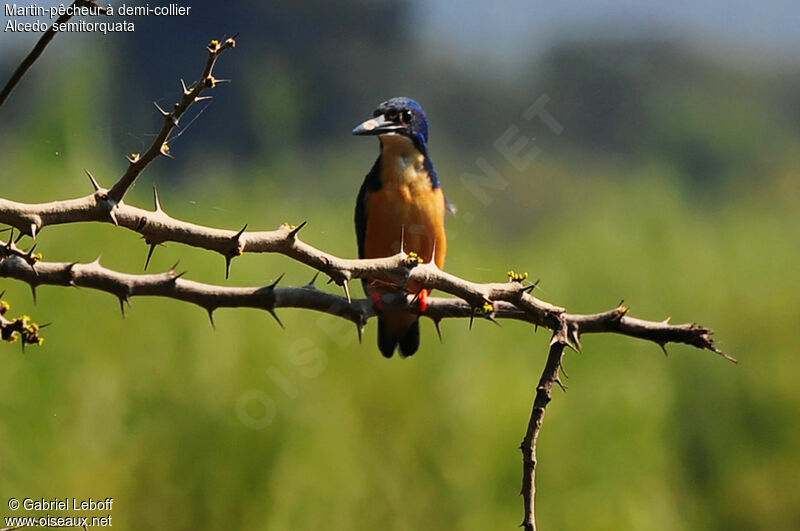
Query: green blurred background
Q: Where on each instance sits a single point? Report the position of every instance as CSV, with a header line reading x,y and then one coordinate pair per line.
x,y
673,185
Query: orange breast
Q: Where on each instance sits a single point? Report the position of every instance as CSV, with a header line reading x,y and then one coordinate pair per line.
x,y
415,215
406,206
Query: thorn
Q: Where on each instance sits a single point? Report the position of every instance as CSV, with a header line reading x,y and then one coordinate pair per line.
x,y
311,284
203,98
530,288
555,338
239,234
535,327
472,317
149,255
210,310
576,340
162,111
438,330
491,317
71,272
171,118
561,368
346,287
185,89
113,216
402,239
723,354
568,343
237,251
94,182
360,331
275,315
664,349
165,151
293,233
416,296
558,381
156,201
122,306
228,260
666,321
34,229
33,293
275,283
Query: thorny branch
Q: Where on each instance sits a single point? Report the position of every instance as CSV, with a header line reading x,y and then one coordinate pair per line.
x,y
492,301
156,226
27,267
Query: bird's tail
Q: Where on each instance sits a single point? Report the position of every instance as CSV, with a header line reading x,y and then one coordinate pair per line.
x,y
396,330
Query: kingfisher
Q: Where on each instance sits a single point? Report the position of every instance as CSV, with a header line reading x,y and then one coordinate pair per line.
x,y
400,205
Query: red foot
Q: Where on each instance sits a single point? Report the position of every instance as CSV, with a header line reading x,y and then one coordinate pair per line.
x,y
423,300
376,300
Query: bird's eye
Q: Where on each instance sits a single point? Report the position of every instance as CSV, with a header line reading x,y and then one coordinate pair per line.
x,y
391,115
405,117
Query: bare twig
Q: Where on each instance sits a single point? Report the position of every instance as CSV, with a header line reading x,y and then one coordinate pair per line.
x,y
543,396
45,39
137,163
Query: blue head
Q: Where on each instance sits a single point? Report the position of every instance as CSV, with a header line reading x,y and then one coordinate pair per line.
x,y
404,117
398,116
